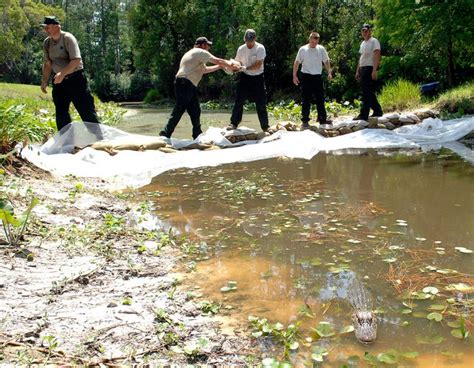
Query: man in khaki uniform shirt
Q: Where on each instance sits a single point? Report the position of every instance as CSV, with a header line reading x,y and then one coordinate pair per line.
x,y
191,69
62,57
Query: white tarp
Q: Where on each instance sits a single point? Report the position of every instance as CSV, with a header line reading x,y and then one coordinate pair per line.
x,y
134,168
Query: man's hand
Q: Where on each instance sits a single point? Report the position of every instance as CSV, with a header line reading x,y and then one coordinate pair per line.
x,y
330,75
44,85
58,78
357,76
374,74
296,81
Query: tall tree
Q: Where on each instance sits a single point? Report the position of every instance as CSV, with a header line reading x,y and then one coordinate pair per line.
x,y
430,38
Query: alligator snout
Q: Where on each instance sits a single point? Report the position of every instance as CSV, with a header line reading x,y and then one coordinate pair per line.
x,y
365,326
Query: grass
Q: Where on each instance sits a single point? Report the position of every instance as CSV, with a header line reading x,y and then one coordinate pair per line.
x,y
459,100
28,115
400,95
11,90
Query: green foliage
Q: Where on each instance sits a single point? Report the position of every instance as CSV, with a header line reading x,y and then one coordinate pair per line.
x,y
399,95
428,40
17,124
292,110
287,337
152,96
14,225
459,100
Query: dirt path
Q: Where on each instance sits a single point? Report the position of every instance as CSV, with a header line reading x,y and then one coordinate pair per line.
x,y
89,286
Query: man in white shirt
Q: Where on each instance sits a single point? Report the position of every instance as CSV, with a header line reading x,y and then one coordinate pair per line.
x,y
366,73
251,85
191,69
312,57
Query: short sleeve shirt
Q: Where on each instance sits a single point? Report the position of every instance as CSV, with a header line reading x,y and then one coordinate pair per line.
x,y
62,51
248,57
366,51
193,64
312,59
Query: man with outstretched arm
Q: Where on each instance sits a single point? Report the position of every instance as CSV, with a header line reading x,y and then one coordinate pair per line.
x,y
62,57
191,69
251,84
366,73
312,57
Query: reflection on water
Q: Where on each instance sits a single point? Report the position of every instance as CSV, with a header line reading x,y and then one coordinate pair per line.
x,y
150,121
294,234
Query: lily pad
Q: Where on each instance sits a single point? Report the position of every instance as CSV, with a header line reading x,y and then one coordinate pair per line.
x,y
435,316
464,288
231,286
431,290
459,334
346,329
294,345
319,353
463,250
324,329
437,307
410,354
388,358
430,340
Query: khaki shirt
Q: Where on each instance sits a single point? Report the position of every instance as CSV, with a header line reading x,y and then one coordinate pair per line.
x,y
193,65
61,52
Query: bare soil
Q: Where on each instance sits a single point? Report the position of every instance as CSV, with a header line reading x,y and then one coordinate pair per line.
x,y
88,285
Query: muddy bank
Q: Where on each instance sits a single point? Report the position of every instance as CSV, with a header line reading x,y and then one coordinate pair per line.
x,y
89,285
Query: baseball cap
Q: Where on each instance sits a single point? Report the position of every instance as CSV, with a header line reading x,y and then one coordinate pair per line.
x,y
366,26
50,19
250,35
202,40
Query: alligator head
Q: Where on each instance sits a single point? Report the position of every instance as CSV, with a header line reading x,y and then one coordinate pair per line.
x,y
365,326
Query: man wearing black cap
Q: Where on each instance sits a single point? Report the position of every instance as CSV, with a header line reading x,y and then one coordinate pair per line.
x,y
251,85
191,69
367,73
63,57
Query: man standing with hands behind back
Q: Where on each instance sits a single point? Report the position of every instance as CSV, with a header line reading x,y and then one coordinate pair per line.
x,y
312,57
63,57
251,85
366,73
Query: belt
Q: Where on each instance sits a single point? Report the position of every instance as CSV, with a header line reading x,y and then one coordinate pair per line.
x,y
74,74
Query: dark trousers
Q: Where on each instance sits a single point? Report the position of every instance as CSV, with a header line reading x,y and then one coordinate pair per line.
x,y
252,88
369,100
312,87
73,89
186,100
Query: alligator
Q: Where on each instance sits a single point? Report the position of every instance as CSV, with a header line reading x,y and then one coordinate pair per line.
x,y
364,319
347,286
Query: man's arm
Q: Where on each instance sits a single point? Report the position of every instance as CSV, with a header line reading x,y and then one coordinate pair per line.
x,y
327,65
296,65
220,63
71,67
256,65
376,63
47,67
357,76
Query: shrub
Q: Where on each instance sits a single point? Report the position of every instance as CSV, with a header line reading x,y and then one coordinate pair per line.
x,y
19,125
459,100
399,95
153,95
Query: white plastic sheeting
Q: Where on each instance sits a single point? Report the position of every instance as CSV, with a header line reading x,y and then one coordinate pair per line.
x,y
134,169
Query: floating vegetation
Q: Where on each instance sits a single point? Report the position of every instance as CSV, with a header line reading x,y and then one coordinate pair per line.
x,y
296,236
